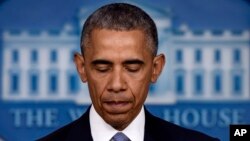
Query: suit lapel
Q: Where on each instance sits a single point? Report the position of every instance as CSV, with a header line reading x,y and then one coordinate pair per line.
x,y
80,130
157,129
152,130
148,134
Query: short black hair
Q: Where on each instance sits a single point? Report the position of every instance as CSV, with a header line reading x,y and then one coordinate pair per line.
x,y
121,17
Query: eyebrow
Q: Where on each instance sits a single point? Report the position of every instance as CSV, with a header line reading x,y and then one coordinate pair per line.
x,y
126,62
133,61
101,61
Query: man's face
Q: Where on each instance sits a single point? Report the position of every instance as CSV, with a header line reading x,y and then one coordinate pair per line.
x,y
118,67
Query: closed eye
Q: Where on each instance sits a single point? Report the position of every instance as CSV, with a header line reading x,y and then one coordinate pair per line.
x,y
133,67
102,67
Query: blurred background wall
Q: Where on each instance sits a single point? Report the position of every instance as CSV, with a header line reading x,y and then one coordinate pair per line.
x,y
205,84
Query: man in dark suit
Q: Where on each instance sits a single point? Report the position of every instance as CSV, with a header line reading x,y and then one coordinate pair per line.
x,y
118,61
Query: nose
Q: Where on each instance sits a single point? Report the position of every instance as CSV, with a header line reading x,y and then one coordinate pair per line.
x,y
117,82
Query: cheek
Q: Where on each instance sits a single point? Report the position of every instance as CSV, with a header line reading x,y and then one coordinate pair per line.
x,y
96,87
139,87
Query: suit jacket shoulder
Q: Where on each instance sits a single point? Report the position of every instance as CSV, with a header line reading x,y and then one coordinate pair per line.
x,y
78,130
157,129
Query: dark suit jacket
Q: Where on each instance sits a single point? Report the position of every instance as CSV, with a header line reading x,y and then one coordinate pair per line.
x,y
156,129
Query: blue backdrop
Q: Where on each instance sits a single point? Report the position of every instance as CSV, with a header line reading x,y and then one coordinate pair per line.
x,y
204,86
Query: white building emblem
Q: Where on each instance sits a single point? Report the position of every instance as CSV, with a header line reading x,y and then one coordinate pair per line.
x,y
202,65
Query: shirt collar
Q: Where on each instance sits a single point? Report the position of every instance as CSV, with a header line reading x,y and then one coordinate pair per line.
x,y
101,131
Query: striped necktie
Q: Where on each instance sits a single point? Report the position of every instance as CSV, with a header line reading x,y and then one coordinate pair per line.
x,y
119,136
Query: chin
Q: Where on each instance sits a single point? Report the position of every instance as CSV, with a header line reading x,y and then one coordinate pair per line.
x,y
119,122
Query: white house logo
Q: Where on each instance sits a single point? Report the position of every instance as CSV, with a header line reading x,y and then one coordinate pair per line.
x,y
208,67
202,65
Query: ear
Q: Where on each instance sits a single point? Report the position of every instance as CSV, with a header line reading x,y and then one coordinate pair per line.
x,y
79,62
158,64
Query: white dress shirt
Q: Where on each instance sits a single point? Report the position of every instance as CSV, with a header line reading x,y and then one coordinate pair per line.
x,y
101,131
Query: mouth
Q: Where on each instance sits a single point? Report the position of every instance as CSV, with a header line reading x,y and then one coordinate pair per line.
x,y
117,107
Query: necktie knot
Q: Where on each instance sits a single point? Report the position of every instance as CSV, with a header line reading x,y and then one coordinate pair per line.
x,y
120,137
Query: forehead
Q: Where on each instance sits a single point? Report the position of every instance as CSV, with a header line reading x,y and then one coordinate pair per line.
x,y
112,43
106,35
